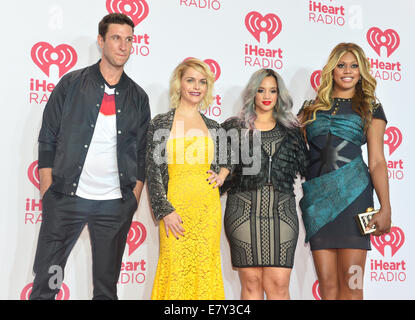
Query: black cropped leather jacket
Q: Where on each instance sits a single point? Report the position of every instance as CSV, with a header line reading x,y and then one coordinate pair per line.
x,y
68,125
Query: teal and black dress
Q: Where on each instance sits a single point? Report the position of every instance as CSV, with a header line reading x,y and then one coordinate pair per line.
x,y
338,185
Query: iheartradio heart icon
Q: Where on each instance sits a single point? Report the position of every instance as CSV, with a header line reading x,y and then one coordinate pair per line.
x,y
137,10
33,174
394,138
63,293
213,66
136,236
377,39
63,56
270,24
316,290
395,239
315,79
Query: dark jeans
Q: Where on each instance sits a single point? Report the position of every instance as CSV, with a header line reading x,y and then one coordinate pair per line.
x,y
63,219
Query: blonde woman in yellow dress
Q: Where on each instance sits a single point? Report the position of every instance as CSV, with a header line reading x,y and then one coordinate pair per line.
x,y
183,180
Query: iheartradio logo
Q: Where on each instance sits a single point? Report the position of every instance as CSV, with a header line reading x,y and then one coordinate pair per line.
x,y
394,138
136,236
63,293
137,10
316,290
44,55
377,39
213,66
270,24
315,79
395,239
33,174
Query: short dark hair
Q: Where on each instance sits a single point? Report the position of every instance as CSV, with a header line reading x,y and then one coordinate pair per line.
x,y
118,18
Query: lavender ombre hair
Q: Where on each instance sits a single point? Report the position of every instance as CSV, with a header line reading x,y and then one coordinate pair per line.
x,y
282,112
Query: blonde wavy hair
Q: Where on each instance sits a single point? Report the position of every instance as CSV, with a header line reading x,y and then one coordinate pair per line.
x,y
364,98
175,82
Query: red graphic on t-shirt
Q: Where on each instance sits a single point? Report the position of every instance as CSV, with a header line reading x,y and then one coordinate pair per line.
x,y
108,105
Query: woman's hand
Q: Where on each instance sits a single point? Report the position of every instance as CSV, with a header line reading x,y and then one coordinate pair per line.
x,y
218,179
382,221
174,223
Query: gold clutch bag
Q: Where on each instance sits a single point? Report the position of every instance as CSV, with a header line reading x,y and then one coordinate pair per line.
x,y
363,219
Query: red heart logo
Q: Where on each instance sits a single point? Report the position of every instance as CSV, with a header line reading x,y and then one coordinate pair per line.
x,y
63,293
137,10
394,139
44,55
315,79
136,236
213,66
377,39
316,290
256,23
395,239
33,174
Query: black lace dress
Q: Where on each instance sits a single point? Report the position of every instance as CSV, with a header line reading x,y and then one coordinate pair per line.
x,y
261,224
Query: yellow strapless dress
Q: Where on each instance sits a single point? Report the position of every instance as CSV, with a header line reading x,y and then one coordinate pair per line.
x,y
190,268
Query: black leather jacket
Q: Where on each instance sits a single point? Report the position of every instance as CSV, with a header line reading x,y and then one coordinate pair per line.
x,y
157,170
68,124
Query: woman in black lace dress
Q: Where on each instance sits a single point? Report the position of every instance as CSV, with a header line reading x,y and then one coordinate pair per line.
x,y
261,219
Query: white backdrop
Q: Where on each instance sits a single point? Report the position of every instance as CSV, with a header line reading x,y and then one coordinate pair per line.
x,y
236,37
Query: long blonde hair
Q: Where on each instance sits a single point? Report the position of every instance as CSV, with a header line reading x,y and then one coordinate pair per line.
x,y
176,78
364,97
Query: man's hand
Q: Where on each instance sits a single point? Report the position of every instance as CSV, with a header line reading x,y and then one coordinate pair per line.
x,y
45,177
137,190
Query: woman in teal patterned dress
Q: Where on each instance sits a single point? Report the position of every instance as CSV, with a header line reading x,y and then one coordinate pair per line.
x,y
339,184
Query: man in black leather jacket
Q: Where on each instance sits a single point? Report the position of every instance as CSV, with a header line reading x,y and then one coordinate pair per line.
x,y
91,164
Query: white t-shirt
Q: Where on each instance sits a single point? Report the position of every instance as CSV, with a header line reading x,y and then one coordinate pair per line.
x,y
99,179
